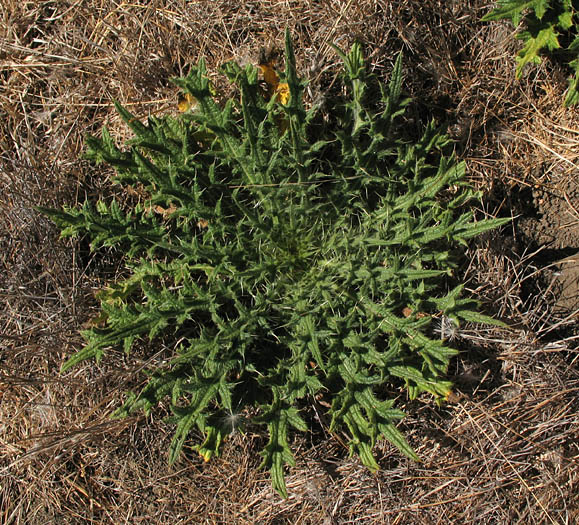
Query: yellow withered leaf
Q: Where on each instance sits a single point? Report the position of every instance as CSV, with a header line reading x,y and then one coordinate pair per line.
x,y
165,212
283,93
186,103
275,88
269,75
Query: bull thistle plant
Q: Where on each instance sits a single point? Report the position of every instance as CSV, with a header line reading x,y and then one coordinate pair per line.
x,y
285,263
549,26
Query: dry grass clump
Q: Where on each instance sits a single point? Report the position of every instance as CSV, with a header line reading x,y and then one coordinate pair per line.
x,y
504,450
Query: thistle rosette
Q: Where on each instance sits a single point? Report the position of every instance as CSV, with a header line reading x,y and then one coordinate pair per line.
x,y
292,264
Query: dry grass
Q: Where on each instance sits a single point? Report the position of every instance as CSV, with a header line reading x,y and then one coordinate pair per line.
x,y
503,451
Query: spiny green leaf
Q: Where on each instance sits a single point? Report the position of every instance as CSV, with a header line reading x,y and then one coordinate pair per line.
x,y
184,425
514,9
544,21
546,39
477,317
471,230
394,436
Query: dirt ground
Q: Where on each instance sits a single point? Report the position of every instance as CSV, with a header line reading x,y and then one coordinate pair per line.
x,y
503,450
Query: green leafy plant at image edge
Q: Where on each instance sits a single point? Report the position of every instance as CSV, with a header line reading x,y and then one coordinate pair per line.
x,y
292,264
545,21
